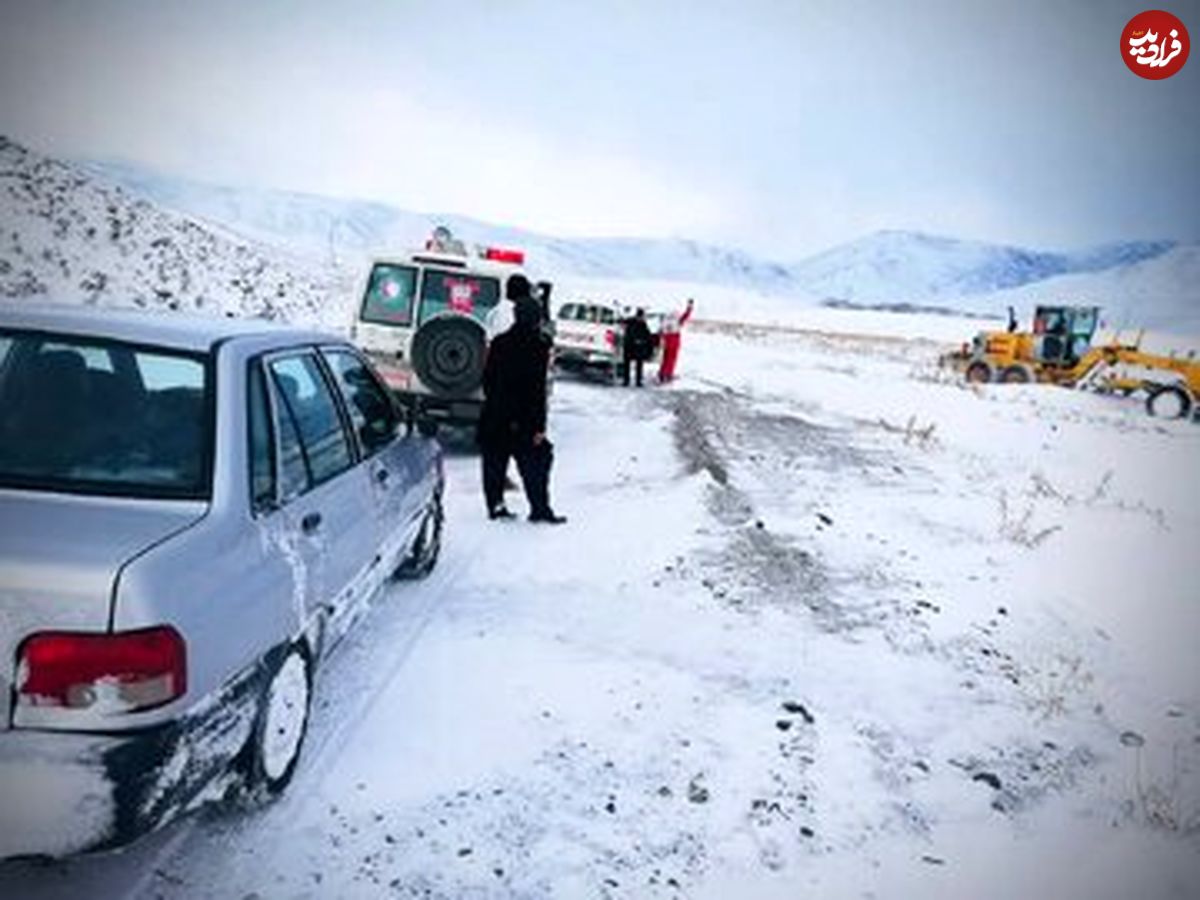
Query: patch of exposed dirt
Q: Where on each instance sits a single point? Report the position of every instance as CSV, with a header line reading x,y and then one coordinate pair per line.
x,y
720,433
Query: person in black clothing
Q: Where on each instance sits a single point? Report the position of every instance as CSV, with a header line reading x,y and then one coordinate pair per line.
x,y
512,422
639,345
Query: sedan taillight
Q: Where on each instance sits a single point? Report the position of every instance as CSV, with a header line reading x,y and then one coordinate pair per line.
x,y
108,674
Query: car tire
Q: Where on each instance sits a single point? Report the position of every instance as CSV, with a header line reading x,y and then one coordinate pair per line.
x,y
281,725
427,547
1017,374
1170,402
980,371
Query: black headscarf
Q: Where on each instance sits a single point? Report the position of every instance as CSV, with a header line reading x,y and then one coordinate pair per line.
x,y
527,315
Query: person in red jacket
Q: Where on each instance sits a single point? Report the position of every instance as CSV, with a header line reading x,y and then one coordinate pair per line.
x,y
672,326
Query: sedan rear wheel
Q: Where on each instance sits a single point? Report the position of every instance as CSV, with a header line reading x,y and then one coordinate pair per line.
x,y
282,723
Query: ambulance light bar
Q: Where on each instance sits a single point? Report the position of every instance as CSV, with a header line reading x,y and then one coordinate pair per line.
x,y
500,254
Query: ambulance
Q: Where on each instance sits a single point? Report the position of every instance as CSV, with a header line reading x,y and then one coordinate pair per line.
x,y
425,319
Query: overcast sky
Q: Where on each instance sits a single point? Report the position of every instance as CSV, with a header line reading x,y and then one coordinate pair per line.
x,y
784,126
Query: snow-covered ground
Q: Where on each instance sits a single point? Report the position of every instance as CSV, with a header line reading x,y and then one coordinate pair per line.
x,y
823,622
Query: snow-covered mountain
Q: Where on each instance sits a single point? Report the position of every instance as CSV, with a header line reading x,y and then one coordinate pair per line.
x,y
69,236
899,266
1160,292
321,228
332,229
898,269
904,266
103,233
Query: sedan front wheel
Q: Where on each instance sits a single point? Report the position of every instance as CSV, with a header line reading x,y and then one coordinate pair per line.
x,y
427,546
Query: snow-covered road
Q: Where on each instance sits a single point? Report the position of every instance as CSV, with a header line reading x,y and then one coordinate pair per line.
x,y
820,622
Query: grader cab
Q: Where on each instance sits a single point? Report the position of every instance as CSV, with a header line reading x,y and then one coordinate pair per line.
x,y
1058,349
1060,338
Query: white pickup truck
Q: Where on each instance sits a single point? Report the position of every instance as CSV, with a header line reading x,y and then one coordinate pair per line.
x,y
589,338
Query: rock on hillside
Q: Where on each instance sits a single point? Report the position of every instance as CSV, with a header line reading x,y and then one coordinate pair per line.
x,y
71,237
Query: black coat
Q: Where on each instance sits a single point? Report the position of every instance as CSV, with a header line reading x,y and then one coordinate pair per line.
x,y
514,388
639,342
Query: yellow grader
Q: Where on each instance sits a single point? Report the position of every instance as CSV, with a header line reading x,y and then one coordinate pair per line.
x,y
1059,350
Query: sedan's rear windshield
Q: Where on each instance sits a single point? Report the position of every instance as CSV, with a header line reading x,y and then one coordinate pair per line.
x,y
105,417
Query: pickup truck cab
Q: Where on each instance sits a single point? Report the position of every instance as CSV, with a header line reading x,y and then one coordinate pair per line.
x,y
587,337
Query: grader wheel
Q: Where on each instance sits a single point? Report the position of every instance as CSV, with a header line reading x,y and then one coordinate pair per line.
x,y
1170,402
980,372
1017,374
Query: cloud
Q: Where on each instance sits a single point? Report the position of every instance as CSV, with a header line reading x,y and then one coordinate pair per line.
x,y
463,159
368,125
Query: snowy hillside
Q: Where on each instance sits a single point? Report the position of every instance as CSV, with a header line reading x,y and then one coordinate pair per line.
x,y
894,269
1160,292
321,228
677,260
898,266
717,306
332,229
72,233
67,236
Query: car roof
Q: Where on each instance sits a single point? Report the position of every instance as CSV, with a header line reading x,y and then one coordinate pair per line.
x,y
157,328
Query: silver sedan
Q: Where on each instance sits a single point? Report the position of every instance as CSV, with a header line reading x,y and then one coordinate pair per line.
x,y
192,513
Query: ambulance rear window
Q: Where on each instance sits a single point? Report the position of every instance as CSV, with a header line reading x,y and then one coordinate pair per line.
x,y
457,292
389,296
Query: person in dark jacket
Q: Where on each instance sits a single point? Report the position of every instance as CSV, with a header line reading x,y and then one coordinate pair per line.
x,y
638,346
512,423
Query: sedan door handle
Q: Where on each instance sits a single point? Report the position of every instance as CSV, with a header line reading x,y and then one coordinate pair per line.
x,y
311,522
